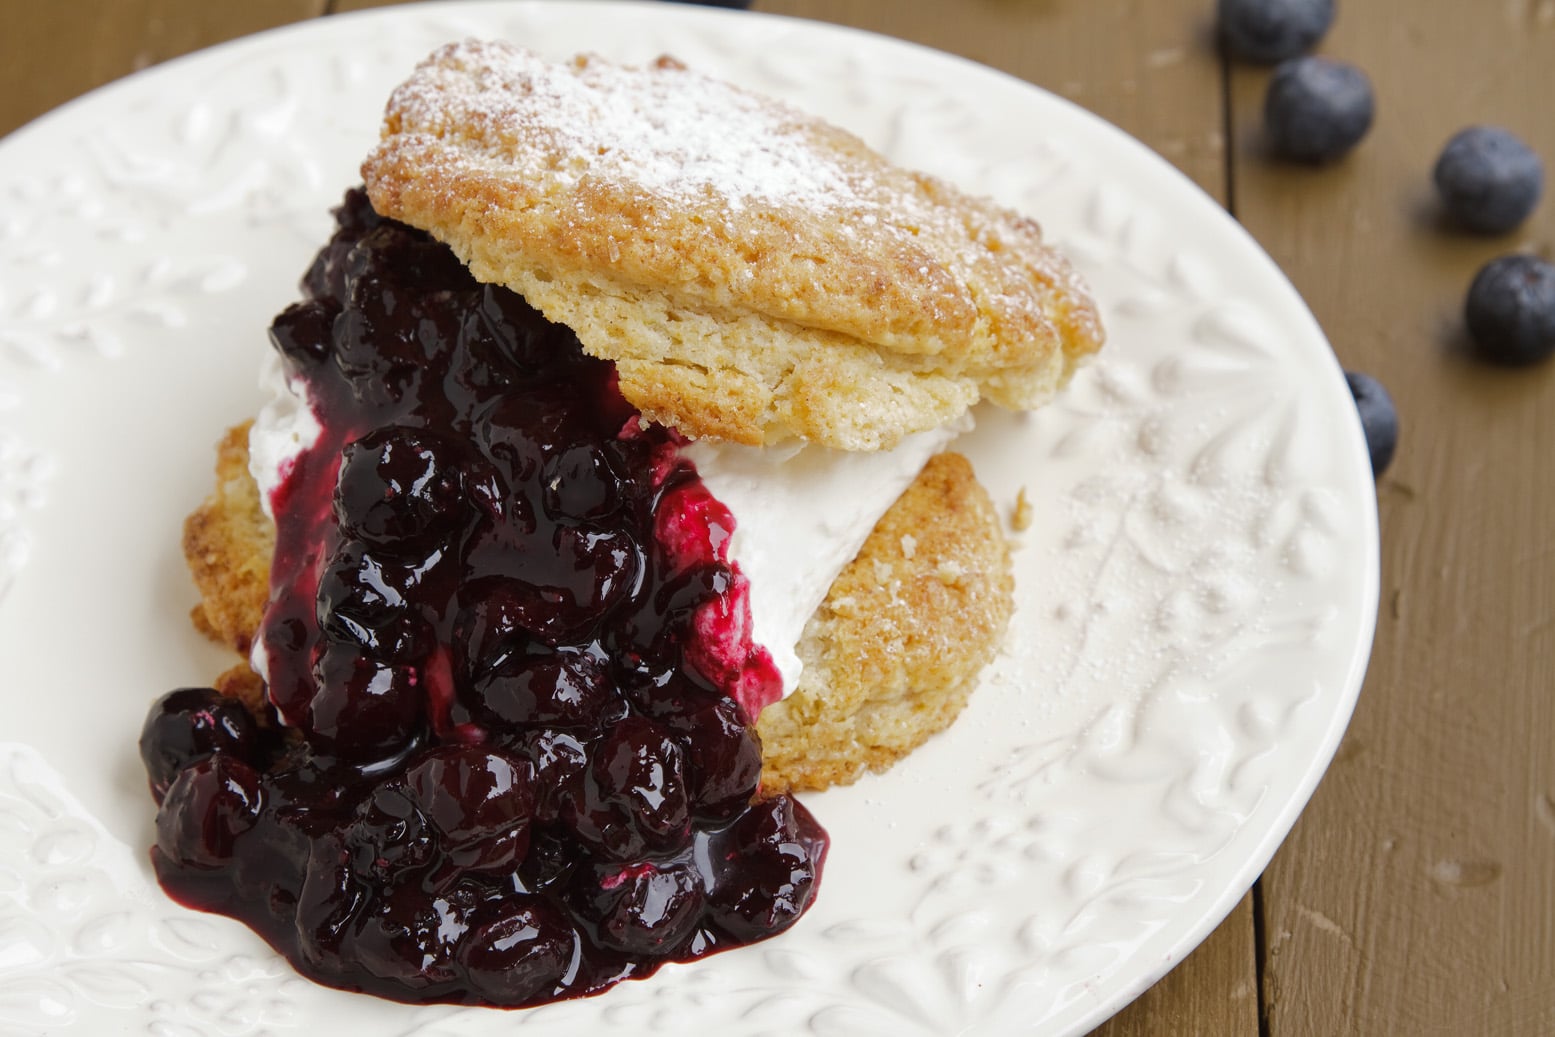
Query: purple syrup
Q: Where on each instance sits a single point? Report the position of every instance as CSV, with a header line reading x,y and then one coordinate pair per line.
x,y
512,660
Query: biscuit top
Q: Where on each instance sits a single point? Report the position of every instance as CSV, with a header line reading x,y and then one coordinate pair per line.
x,y
756,274
588,118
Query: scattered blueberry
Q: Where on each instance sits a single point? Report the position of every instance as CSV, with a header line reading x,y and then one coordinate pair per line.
x,y
1488,179
1379,418
1511,309
1267,31
1317,109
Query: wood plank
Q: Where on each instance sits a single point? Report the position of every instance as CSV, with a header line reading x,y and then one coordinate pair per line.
x,y
62,48
1144,67
1213,993
1417,893
342,6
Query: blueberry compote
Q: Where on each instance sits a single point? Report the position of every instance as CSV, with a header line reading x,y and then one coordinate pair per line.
x,y
511,662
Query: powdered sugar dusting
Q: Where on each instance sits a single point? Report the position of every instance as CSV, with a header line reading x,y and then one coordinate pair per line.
x,y
668,131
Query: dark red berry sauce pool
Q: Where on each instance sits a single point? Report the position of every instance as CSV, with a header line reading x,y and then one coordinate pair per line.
x,y
511,662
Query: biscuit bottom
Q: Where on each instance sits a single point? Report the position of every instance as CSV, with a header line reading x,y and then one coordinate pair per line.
x,y
894,651
890,656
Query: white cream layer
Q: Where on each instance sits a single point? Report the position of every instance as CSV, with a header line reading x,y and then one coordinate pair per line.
x,y
801,511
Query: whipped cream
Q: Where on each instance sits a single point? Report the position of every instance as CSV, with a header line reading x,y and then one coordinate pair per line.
x,y
801,511
283,429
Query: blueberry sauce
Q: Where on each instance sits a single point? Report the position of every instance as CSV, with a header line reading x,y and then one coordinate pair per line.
x,y
511,663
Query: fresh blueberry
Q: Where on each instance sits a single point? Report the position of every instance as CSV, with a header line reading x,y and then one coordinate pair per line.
x,y
1488,179
1379,418
1511,309
1317,109
1267,31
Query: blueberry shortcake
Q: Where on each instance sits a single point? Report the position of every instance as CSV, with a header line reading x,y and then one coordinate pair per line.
x,y
602,503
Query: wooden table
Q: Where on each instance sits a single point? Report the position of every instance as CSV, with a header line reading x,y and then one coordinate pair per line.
x,y
1417,893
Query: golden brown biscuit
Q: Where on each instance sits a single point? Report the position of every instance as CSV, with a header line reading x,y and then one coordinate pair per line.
x,y
755,273
228,541
890,656
895,649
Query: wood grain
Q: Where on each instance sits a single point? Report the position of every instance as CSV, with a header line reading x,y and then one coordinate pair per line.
x,y
1417,893
1147,67
1213,993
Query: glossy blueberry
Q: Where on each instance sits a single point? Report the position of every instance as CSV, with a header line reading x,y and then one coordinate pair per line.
x,y
723,759
325,278
363,599
1267,31
303,331
328,901
188,725
561,765
634,798
1317,109
568,585
504,340
397,484
363,709
206,808
580,482
479,801
1488,179
641,908
556,689
400,311
515,950
767,864
1511,310
410,936
1379,418
389,835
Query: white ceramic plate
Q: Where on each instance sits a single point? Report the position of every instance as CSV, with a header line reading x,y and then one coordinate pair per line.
x,y
1196,596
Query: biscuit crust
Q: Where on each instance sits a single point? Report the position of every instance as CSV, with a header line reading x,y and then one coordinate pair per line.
x,y
896,648
755,273
890,656
228,542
